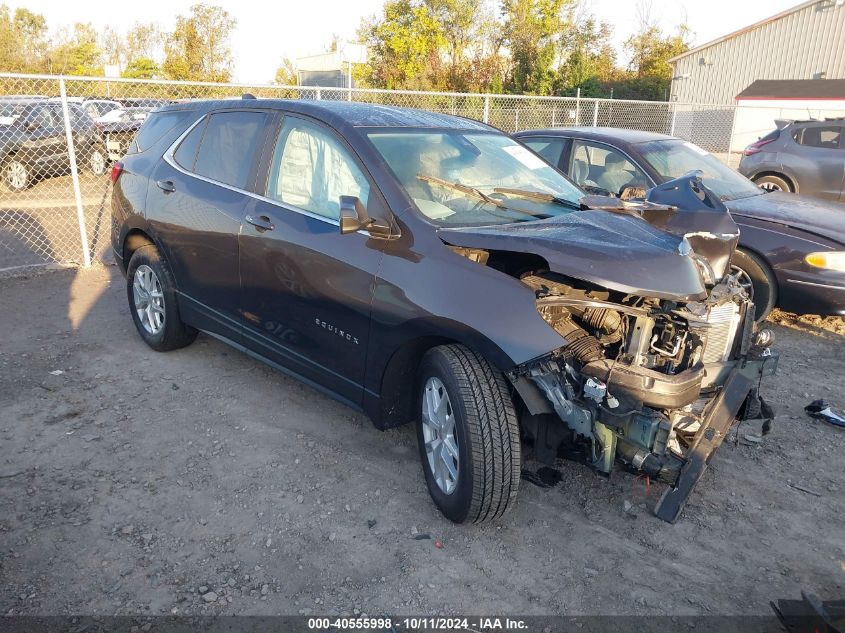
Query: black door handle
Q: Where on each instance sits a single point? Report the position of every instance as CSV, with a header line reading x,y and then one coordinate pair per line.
x,y
262,223
166,186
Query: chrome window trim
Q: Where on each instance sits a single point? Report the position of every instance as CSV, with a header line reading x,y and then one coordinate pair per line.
x,y
168,158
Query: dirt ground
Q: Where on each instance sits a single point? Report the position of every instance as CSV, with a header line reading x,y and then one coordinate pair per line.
x,y
203,482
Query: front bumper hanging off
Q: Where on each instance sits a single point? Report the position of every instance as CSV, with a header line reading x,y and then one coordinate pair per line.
x,y
739,386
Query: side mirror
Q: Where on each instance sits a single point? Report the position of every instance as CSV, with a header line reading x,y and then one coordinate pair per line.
x,y
354,217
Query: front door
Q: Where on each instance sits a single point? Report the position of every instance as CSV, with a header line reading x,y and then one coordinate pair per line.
x,y
306,289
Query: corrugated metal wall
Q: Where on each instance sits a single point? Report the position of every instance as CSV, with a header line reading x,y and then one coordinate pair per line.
x,y
796,46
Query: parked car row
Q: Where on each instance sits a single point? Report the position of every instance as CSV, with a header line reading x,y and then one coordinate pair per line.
x,y
782,257
33,142
430,269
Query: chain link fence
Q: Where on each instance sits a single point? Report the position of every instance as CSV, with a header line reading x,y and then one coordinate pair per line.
x,y
59,136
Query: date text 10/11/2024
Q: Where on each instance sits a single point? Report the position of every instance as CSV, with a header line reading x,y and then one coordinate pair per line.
x,y
418,624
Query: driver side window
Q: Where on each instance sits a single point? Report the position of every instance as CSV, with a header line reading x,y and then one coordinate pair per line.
x,y
311,170
594,165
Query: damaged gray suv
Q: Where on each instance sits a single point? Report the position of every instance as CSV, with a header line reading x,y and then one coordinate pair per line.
x,y
429,269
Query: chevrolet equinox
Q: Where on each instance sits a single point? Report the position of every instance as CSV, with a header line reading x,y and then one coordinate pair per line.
x,y
429,269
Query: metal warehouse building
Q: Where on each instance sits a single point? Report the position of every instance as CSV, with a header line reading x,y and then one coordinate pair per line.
x,y
805,42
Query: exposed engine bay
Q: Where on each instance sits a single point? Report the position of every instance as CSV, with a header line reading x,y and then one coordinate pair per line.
x,y
648,377
635,380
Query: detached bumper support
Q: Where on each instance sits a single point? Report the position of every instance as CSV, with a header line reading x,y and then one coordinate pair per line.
x,y
712,433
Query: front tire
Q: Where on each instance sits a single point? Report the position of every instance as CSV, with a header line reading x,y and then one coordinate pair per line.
x,y
152,302
758,280
468,435
771,182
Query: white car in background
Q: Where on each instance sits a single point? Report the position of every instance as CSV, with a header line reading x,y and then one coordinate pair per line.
x,y
99,107
119,127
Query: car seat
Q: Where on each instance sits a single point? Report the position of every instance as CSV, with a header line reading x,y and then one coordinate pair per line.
x,y
615,176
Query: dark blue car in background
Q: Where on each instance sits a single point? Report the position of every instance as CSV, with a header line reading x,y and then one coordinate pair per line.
x,y
792,248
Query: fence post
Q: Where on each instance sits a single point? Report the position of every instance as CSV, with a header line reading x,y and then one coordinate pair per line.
x,y
735,110
595,113
554,116
672,127
319,94
516,120
74,174
578,107
486,116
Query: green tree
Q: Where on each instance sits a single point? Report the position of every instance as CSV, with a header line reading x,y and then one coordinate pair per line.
x,y
651,50
113,46
532,30
143,41
589,60
23,41
78,52
286,74
432,44
198,47
404,44
141,68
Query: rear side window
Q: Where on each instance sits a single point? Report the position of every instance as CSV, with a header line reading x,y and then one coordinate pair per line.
x,y
229,146
156,126
43,117
186,154
548,148
827,136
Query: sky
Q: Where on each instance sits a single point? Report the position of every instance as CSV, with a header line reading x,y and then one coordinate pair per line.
x,y
268,31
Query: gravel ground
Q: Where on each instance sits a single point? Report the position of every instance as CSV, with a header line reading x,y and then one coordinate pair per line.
x,y
202,482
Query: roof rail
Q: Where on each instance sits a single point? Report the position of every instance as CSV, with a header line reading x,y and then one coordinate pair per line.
x,y
831,118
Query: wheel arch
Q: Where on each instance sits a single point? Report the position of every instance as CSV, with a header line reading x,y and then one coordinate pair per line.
x,y
396,401
132,241
792,182
761,261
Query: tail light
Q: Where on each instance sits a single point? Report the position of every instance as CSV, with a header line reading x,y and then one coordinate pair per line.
x,y
757,147
116,170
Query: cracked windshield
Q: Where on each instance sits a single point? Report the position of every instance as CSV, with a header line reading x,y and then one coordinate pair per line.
x,y
459,179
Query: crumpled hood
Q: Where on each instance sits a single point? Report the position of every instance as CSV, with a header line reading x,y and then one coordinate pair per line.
x,y
616,251
826,219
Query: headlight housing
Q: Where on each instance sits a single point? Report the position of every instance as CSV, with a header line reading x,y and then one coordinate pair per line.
x,y
828,260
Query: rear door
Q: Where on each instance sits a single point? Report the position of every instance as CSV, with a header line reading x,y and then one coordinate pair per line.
x,y
306,289
552,148
818,160
195,203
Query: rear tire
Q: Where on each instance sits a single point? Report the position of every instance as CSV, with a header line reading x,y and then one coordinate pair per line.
x,y
16,175
152,302
770,182
761,279
98,160
485,448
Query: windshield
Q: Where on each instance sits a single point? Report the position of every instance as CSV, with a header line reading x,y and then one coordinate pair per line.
x,y
463,179
675,158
